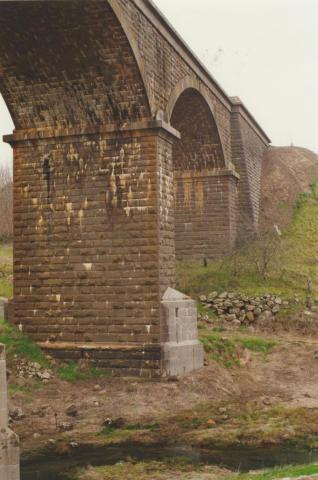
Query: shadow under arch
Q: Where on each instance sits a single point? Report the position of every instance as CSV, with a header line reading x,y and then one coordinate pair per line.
x,y
70,63
205,189
190,83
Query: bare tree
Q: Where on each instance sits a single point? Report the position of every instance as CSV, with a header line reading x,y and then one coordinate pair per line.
x,y
265,251
6,202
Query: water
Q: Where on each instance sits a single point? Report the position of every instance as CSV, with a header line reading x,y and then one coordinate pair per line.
x,y
50,466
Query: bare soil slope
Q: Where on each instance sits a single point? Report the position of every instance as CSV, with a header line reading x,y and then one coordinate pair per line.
x,y
287,172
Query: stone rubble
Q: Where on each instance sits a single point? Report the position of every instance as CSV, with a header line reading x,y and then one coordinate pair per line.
x,y
26,369
241,309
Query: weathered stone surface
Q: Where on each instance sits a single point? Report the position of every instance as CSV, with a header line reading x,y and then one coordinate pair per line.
x,y
182,351
126,155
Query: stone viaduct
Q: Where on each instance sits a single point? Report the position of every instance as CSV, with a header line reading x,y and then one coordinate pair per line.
x,y
127,155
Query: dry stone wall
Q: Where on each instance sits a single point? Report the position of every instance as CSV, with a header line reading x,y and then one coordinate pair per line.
x,y
241,309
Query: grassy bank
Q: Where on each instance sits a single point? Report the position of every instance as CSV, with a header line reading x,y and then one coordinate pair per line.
x,y
227,351
19,347
276,473
150,471
292,260
184,471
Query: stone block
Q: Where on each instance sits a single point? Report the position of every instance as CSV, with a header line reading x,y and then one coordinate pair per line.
x,y
9,441
181,350
9,455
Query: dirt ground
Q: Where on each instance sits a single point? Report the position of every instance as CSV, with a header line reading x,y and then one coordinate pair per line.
x,y
287,377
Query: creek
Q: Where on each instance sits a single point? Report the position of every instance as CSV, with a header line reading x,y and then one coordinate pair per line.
x,y
50,466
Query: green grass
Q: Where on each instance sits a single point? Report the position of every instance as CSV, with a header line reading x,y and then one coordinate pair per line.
x,y
257,345
6,288
18,344
294,259
292,472
226,351
183,469
179,468
221,350
111,429
72,372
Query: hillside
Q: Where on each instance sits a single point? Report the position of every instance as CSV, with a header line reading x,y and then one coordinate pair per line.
x,y
287,171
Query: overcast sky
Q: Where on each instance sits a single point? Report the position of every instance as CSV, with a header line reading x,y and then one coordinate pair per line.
x,y
264,51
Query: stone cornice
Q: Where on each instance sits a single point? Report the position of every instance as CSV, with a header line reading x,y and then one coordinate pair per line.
x,y
19,136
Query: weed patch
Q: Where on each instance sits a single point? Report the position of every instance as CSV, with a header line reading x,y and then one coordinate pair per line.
x,y
20,345
73,372
291,472
257,345
222,350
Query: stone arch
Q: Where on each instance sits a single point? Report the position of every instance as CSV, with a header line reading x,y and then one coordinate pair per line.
x,y
204,189
193,84
200,146
135,49
72,63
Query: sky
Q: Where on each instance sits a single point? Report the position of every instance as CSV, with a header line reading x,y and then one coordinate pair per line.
x,y
264,51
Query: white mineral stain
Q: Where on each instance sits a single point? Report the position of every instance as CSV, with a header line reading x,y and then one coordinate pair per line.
x,y
122,157
80,216
127,210
58,298
88,266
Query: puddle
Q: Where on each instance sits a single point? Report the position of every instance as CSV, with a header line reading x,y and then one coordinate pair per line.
x,y
50,466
